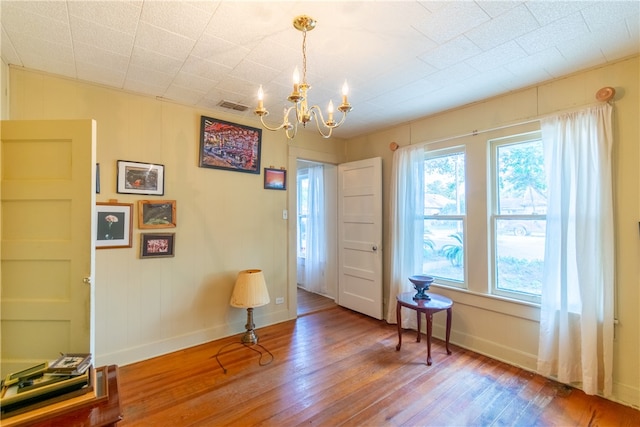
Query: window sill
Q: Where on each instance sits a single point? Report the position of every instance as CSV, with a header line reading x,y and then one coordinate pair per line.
x,y
499,304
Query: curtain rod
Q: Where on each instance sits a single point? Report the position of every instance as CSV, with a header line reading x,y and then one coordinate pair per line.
x,y
604,95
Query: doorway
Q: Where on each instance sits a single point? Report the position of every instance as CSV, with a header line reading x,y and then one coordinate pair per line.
x,y
316,236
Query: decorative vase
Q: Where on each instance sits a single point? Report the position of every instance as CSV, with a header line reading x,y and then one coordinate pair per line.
x,y
421,284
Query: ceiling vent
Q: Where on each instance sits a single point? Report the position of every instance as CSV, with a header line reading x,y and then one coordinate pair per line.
x,y
232,105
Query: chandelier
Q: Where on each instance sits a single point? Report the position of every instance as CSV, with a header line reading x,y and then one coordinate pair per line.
x,y
298,97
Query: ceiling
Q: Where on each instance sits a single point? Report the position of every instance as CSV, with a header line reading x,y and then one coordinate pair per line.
x,y
402,59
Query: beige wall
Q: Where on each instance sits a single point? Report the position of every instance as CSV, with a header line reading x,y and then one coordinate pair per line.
x,y
496,327
226,221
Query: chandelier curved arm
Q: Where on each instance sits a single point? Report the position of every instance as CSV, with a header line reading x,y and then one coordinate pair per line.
x,y
285,121
316,112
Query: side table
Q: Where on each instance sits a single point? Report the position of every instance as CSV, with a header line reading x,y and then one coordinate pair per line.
x,y
428,307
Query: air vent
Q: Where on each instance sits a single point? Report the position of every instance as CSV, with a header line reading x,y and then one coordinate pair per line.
x,y
232,105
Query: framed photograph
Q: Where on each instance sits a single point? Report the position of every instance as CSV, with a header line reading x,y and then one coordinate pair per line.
x,y
275,179
230,146
157,245
156,214
140,178
114,225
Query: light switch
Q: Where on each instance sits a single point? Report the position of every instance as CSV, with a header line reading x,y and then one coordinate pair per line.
x,y
285,214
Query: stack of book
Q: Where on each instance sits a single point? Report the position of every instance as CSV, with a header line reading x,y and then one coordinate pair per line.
x,y
67,377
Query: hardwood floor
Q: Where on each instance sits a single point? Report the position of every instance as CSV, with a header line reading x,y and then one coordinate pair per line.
x,y
308,302
339,368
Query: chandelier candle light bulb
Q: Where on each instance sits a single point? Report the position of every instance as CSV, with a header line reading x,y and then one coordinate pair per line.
x,y
303,113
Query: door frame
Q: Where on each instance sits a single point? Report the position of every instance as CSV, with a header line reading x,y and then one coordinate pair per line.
x,y
295,154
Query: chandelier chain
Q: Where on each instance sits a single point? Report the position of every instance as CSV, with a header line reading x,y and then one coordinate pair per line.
x,y
304,56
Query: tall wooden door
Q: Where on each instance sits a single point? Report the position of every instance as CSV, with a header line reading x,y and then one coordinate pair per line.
x,y
360,236
47,245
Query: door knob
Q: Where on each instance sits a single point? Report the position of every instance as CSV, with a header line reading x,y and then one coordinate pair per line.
x,y
374,248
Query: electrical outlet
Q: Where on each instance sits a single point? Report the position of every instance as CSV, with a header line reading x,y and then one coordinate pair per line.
x,y
280,300
285,214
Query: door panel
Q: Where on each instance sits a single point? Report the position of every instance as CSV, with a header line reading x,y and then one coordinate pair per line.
x,y
360,236
48,195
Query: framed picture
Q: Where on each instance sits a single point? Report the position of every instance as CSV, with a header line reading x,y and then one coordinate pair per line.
x,y
275,179
230,146
114,225
156,214
140,178
157,245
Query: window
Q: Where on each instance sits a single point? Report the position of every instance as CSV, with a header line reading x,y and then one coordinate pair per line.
x,y
303,212
518,219
444,215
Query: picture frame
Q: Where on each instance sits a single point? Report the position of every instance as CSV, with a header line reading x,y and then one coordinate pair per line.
x,y
140,178
156,214
229,146
114,225
157,245
275,179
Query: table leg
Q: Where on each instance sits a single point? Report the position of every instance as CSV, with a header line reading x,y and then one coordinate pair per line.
x,y
449,311
419,322
429,317
399,320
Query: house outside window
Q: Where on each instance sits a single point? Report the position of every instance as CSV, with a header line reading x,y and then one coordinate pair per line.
x,y
444,216
518,216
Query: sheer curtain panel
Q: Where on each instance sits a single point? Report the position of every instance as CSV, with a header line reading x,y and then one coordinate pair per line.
x,y
576,313
407,225
316,255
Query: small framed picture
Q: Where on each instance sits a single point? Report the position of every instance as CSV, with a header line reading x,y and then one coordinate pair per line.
x,y
230,146
156,214
157,245
114,225
275,179
140,178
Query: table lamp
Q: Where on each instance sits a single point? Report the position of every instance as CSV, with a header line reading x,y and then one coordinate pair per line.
x,y
250,291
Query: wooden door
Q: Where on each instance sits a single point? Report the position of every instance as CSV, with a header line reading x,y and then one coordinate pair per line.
x,y
47,241
360,236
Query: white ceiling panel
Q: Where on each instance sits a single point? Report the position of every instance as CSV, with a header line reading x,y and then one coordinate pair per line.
x,y
402,59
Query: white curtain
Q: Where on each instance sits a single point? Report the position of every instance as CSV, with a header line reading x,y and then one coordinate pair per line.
x,y
316,255
576,315
407,225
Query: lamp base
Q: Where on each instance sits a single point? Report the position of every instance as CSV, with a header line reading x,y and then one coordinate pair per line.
x,y
250,336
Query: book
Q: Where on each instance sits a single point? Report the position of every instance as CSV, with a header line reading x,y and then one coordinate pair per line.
x,y
70,364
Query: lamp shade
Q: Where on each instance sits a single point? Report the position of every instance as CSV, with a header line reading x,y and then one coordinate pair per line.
x,y
250,290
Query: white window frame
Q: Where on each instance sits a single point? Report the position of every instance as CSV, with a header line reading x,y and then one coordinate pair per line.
x,y
429,154
494,216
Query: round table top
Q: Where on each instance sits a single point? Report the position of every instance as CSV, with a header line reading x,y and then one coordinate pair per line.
x,y
437,302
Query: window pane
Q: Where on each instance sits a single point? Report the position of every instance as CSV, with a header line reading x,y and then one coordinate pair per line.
x,y
444,185
521,182
520,255
444,249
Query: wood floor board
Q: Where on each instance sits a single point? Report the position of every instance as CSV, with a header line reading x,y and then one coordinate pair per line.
x,y
335,367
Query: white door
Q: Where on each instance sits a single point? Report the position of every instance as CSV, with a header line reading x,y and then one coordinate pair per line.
x,y
48,197
360,236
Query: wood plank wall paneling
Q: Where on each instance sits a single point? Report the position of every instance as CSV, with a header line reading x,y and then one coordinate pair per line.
x,y
337,367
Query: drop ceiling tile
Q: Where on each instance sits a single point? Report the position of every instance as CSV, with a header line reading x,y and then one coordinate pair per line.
x,y
144,87
496,8
592,46
9,54
603,14
220,51
158,40
206,69
102,37
183,95
150,77
530,66
450,53
119,16
101,58
17,21
182,18
551,35
454,73
497,57
193,82
503,28
56,10
93,72
146,58
547,12
452,20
